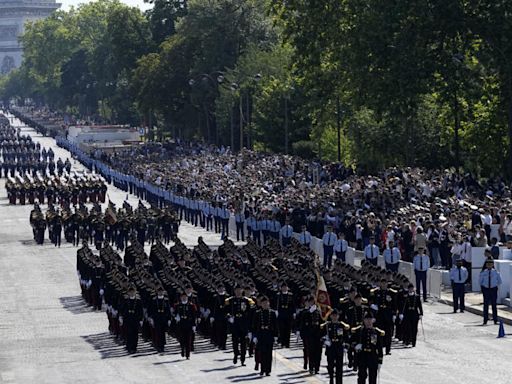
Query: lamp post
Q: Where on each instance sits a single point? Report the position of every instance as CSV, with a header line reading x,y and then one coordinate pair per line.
x,y
214,79
338,125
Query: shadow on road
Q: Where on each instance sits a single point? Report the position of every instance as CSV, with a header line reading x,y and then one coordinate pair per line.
x,y
75,304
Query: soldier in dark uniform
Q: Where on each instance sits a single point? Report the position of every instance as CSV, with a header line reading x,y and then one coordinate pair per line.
x,y
218,318
310,332
383,303
185,314
368,345
264,332
355,313
98,284
238,309
131,319
335,338
160,313
411,313
285,307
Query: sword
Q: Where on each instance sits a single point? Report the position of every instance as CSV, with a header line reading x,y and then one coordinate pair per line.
x,y
423,330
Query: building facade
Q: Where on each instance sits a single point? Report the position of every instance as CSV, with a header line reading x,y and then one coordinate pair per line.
x,y
13,16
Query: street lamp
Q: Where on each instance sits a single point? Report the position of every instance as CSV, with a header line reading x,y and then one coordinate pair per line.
x,y
214,79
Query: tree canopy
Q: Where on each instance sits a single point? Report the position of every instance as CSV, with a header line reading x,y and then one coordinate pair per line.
x,y
407,82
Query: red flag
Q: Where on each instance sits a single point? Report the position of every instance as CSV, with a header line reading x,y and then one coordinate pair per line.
x,y
322,297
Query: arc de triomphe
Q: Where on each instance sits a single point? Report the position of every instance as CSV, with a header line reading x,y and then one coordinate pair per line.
x,y
13,16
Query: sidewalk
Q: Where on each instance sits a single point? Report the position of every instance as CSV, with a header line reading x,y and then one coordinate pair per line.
x,y
474,304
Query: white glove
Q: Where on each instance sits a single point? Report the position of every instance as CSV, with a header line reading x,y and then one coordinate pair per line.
x,y
140,323
249,335
168,323
102,292
194,329
394,318
212,319
120,320
207,313
378,367
401,316
298,334
275,340
327,343
255,340
359,347
231,319
151,322
199,321
374,307
294,315
421,316
277,313
89,283
178,318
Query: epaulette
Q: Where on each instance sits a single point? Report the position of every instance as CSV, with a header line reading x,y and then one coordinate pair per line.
x,y
392,290
226,301
381,332
343,300
324,324
251,301
364,300
345,325
355,329
373,290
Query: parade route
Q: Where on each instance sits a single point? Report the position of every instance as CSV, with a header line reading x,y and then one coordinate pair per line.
x,y
48,335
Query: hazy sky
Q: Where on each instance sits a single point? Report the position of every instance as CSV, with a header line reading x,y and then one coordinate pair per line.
x,y
67,3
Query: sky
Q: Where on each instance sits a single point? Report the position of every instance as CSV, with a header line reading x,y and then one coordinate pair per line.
x,y
67,3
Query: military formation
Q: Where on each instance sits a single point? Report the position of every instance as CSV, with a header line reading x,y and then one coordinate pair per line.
x,y
265,293
261,296
112,226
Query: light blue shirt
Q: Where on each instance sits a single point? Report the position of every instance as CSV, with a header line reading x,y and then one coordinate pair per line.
x,y
287,231
371,251
392,256
495,278
458,275
329,239
421,263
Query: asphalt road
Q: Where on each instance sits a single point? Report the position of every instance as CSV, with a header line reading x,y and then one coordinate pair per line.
x,y
48,335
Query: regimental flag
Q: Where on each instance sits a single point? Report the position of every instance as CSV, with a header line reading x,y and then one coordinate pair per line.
x,y
322,297
110,215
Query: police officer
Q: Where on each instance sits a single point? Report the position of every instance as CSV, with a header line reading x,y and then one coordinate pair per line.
x,y
392,257
305,237
371,251
286,233
490,279
458,277
421,265
328,241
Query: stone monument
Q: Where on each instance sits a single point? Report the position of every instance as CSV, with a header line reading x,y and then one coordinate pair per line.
x,y
13,16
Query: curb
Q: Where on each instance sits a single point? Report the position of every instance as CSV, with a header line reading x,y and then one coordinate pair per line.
x,y
475,311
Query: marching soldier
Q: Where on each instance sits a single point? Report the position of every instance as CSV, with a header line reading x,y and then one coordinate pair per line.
x,y
218,318
335,339
238,308
265,331
185,314
383,303
160,316
368,345
310,332
285,313
411,314
131,319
